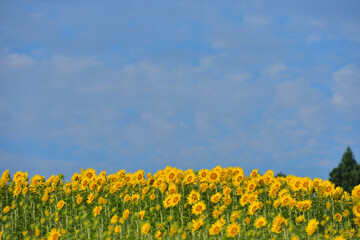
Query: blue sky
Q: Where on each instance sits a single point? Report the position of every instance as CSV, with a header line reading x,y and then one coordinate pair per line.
x,y
192,84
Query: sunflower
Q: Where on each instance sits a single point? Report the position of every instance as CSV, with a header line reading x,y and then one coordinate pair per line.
x,y
126,214
172,189
251,185
253,207
238,179
278,220
145,228
328,188
60,204
171,175
90,173
90,198
97,210
204,186
198,208
54,234
356,210
175,199
167,202
234,216
102,200
93,185
244,200
317,182
114,219
226,190
260,222
254,173
311,227
142,214
78,199
196,224
202,174
6,209
213,176
158,234
300,219
215,228
139,176
232,230
135,197
355,193
215,198
285,200
296,184
337,217
193,197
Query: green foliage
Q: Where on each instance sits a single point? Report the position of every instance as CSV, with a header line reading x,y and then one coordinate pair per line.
x,y
280,174
347,173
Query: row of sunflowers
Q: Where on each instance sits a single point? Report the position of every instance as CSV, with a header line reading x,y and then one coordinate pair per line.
x,y
219,203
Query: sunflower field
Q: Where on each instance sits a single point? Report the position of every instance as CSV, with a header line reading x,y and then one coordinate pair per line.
x,y
219,203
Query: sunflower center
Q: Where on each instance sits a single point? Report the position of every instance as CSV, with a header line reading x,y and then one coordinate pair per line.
x,y
213,176
198,208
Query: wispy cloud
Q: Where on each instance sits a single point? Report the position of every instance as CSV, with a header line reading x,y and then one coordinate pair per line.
x,y
185,84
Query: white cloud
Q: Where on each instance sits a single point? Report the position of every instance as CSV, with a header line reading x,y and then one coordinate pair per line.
x,y
256,20
16,60
346,87
313,38
276,69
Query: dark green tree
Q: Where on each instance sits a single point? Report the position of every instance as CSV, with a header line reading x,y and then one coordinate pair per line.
x,y
347,173
280,174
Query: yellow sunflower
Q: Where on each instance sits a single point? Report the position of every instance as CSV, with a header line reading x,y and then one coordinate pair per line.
x,y
54,234
97,210
175,199
355,193
356,210
60,204
145,228
215,198
196,224
232,230
260,222
198,208
193,197
311,227
213,176
90,173
215,228
337,217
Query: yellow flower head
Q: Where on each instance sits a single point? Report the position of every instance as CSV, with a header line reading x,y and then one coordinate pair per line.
x,y
232,230
193,197
311,227
215,228
60,204
337,217
356,210
198,208
260,222
97,210
54,234
145,228
196,224
215,198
